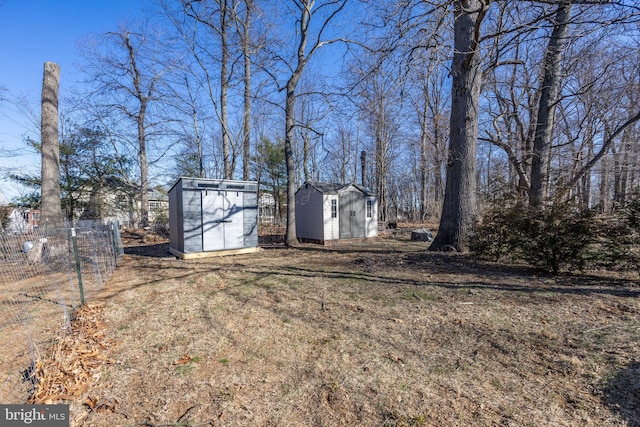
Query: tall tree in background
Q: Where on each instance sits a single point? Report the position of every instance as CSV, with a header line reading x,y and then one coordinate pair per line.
x,y
90,173
243,24
380,103
51,207
307,44
127,71
270,170
549,97
143,95
459,209
217,16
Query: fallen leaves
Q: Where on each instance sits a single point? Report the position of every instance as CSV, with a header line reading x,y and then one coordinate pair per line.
x,y
74,360
94,405
183,360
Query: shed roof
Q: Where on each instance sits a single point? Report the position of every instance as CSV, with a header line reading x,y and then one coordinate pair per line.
x,y
334,187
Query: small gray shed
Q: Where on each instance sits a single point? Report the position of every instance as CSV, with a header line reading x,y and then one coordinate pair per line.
x,y
329,211
213,217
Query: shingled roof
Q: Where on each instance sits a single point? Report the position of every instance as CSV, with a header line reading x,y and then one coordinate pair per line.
x,y
334,187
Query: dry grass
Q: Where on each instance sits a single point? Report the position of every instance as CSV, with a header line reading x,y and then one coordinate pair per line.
x,y
373,334
32,313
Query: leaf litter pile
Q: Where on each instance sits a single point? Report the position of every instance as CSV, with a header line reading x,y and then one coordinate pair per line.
x,y
372,334
75,360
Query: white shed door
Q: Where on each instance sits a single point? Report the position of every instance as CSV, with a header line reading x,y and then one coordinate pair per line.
x,y
222,220
234,220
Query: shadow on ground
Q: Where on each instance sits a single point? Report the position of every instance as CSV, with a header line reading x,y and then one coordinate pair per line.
x,y
622,394
158,250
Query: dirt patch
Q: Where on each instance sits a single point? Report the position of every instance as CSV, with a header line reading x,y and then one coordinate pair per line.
x,y
377,333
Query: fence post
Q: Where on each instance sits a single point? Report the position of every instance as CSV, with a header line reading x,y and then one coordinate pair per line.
x,y
4,246
74,240
114,242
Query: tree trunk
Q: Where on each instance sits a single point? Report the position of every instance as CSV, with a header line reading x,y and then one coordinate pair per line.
x,y
603,204
424,202
140,117
291,237
549,94
459,210
246,117
302,57
51,206
438,160
144,170
224,87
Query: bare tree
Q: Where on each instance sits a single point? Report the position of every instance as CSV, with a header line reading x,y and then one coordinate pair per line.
x,y
380,105
51,207
525,118
127,72
217,16
549,97
425,93
459,208
341,151
244,26
307,43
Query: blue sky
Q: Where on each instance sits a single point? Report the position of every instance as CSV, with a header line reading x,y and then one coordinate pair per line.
x,y
31,33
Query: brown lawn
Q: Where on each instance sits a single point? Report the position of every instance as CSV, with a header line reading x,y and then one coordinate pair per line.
x,y
360,334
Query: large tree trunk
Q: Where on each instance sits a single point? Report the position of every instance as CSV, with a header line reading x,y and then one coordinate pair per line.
x,y
51,207
291,237
549,94
459,210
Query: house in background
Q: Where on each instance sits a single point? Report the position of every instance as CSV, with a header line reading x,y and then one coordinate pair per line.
x,y
23,220
266,208
328,212
158,206
125,207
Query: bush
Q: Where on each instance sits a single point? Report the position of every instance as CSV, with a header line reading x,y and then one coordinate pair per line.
x,y
551,238
617,245
160,222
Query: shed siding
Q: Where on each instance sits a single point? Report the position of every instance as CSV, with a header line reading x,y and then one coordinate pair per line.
x,y
309,214
352,221
331,225
371,223
192,220
213,215
175,211
250,219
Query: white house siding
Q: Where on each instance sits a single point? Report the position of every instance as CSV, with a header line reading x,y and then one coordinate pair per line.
x,y
309,214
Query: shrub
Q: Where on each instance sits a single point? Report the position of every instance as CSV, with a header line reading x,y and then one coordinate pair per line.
x,y
160,222
557,237
617,245
552,238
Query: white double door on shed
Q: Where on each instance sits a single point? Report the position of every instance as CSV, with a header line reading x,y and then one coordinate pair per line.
x,y
222,220
351,215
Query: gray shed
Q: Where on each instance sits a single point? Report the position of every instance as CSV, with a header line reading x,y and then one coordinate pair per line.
x,y
329,211
213,217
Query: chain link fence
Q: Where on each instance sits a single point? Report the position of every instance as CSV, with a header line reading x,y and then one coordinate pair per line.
x,y
45,275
